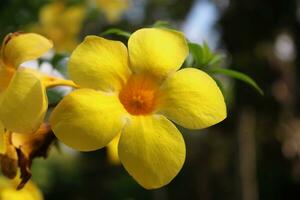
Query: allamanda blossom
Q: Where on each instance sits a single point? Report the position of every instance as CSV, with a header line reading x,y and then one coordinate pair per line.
x,y
23,105
137,93
23,100
61,24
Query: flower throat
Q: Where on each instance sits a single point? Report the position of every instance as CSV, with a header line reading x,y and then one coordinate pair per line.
x,y
139,95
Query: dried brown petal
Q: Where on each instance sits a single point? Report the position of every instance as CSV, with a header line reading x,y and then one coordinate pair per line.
x,y
9,162
21,149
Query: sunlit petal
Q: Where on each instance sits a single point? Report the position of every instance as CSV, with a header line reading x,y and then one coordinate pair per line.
x,y
192,99
2,141
24,103
112,150
87,120
158,51
100,64
152,150
6,74
24,47
8,191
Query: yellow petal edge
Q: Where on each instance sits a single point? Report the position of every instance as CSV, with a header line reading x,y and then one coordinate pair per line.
x,y
98,63
157,51
87,120
192,99
24,47
24,103
152,150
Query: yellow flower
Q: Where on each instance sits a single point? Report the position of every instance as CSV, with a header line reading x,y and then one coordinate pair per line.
x,y
136,93
113,9
23,101
62,24
8,191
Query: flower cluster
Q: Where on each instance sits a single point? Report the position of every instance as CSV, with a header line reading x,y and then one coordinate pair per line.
x,y
127,97
23,103
62,22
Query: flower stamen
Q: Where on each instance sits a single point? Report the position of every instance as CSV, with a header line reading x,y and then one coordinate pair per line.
x,y
139,95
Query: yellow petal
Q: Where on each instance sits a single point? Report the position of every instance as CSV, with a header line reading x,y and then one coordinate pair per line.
x,y
62,24
152,150
113,9
24,47
2,137
24,103
8,191
99,64
66,18
87,120
192,99
6,74
158,51
73,18
49,13
112,151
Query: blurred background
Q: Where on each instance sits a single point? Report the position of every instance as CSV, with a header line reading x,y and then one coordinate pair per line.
x,y
253,154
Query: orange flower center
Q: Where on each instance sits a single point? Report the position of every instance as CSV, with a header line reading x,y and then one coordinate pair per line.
x,y
139,95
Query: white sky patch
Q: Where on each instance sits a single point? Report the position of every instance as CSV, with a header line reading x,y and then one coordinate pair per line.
x,y
47,68
32,64
200,22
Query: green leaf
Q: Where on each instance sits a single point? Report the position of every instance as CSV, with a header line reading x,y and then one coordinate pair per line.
x,y
57,58
203,55
216,58
116,31
54,96
196,52
207,53
189,61
237,75
161,24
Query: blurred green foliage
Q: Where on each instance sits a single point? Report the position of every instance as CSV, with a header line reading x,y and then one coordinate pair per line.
x,y
16,14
